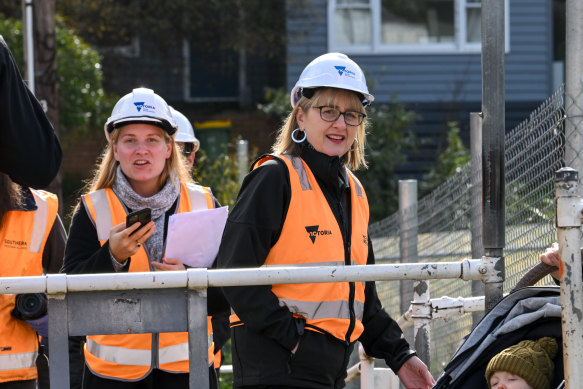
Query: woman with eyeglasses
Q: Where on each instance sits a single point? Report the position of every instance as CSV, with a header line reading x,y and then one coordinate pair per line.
x,y
303,206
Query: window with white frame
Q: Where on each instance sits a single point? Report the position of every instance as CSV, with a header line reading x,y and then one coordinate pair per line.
x,y
406,26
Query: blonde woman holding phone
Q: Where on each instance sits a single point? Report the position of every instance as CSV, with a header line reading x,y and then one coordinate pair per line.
x,y
141,168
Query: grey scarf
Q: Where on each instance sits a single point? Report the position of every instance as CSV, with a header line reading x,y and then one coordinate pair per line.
x,y
160,203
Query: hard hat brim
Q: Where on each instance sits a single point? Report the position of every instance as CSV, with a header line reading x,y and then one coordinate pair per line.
x,y
164,125
116,124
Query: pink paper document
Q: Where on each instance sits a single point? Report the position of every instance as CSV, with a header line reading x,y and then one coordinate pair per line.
x,y
194,237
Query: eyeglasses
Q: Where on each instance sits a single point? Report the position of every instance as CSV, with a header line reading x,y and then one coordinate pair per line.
x,y
186,148
331,114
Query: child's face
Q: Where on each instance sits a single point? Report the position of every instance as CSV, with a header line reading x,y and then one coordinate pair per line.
x,y
505,380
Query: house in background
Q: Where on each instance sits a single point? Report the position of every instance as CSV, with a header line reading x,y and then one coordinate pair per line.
x,y
218,85
427,55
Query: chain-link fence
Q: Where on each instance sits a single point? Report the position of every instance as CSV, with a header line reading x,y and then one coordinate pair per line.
x,y
534,150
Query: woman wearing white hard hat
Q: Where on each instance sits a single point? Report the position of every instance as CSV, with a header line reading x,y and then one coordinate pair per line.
x,y
302,206
140,168
185,139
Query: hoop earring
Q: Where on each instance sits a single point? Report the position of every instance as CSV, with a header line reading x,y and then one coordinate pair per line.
x,y
354,145
298,140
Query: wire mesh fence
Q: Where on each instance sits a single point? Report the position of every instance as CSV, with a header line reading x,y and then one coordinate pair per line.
x,y
534,150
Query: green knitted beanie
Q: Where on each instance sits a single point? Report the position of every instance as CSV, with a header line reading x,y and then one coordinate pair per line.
x,y
531,360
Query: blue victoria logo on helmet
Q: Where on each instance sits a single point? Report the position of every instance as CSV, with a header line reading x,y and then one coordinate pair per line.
x,y
147,108
342,70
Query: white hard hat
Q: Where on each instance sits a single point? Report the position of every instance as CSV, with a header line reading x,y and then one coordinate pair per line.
x,y
333,70
141,105
185,131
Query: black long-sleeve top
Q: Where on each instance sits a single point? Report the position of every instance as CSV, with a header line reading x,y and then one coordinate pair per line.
x,y
253,228
30,152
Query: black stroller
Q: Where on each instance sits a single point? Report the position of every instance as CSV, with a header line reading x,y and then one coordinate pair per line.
x,y
525,313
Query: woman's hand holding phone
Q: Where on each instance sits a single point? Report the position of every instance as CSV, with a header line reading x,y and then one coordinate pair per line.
x,y
125,242
168,264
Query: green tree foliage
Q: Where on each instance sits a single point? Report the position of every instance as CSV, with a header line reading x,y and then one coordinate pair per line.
x,y
277,103
219,174
83,105
11,30
214,24
449,161
387,140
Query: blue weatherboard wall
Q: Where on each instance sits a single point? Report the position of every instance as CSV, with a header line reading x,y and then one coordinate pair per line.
x,y
440,88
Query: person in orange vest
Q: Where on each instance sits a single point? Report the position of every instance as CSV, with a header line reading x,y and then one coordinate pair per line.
x,y
32,242
302,206
140,168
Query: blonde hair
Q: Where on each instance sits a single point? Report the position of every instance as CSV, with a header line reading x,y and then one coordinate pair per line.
x,y
355,157
106,173
10,195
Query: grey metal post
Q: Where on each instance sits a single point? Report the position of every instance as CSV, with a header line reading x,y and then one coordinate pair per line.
x,y
422,318
197,340
574,86
242,159
407,235
476,201
493,124
27,8
569,207
58,331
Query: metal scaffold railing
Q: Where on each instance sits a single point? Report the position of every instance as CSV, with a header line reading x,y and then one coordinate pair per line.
x,y
176,301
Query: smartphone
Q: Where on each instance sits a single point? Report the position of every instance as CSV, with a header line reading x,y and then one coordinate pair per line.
x,y
143,216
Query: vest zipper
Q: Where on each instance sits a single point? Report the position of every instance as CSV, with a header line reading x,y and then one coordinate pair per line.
x,y
347,262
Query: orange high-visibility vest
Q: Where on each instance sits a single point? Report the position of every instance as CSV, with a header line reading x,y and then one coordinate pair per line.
x,y
130,357
217,361
22,238
311,237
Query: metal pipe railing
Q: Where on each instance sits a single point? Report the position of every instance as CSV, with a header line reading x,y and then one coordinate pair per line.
x,y
467,269
444,308
76,309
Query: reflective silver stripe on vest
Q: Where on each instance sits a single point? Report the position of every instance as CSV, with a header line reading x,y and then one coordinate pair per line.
x,y
125,356
175,353
358,187
197,197
323,309
120,355
103,222
299,168
39,224
18,361
178,352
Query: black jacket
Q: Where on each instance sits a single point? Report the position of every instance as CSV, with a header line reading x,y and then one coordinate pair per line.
x,y
261,347
30,152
